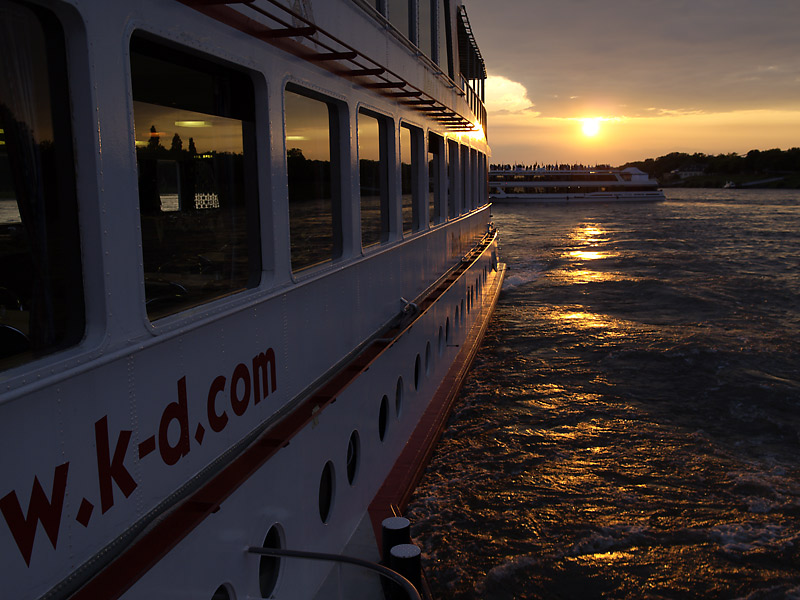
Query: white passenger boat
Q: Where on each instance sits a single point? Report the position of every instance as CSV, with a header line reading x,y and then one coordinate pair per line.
x,y
572,185
247,259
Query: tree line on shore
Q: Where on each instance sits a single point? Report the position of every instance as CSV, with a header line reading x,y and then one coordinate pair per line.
x,y
755,162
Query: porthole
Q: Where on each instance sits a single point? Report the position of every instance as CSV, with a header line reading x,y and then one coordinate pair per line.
x,y
269,566
327,488
417,372
447,330
223,593
398,395
353,457
457,317
463,312
428,358
441,341
383,418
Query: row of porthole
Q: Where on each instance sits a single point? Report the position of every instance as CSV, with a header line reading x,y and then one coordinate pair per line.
x,y
269,566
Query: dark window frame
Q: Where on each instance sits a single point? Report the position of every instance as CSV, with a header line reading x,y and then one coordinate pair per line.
x,y
49,287
230,94
334,108
384,125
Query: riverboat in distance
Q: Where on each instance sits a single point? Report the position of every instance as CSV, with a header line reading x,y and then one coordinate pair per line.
x,y
247,258
541,186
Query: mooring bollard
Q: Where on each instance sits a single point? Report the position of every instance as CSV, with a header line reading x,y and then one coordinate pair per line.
x,y
406,559
394,531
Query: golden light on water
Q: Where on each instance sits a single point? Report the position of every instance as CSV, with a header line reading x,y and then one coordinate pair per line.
x,y
586,255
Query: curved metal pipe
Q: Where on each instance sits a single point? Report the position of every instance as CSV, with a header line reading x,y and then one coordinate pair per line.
x,y
404,583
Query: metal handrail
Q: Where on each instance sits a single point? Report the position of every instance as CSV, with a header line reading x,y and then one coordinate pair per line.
x,y
404,583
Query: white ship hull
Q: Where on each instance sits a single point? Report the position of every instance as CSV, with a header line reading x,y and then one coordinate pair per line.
x,y
572,186
243,394
654,196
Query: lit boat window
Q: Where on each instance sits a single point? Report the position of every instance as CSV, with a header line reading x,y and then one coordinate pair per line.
x,y
436,171
195,152
410,147
373,174
314,209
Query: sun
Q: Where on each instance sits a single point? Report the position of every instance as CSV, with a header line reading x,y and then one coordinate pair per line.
x,y
591,127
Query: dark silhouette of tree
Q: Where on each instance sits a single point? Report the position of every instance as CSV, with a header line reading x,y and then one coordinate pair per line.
x,y
177,144
154,141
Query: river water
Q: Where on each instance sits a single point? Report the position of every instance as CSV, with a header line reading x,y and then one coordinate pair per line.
x,y
631,425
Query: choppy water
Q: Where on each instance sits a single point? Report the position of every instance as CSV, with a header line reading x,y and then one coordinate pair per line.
x,y
631,426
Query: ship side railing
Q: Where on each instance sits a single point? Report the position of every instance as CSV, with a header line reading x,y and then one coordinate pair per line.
x,y
475,103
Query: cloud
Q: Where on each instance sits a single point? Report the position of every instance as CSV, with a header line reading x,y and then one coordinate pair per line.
x,y
504,96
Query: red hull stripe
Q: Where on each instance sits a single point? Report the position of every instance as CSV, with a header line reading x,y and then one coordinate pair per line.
x,y
394,495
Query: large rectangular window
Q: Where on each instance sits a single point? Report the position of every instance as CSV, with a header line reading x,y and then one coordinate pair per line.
x,y
453,182
41,282
314,209
443,36
435,175
373,176
400,16
195,149
408,177
426,28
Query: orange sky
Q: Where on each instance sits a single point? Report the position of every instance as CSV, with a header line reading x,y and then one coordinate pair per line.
x,y
710,76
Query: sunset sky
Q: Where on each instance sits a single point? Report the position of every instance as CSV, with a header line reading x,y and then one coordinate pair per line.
x,y
712,76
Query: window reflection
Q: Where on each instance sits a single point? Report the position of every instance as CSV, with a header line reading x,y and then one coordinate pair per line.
x,y
399,16
407,179
373,168
435,174
452,178
442,50
41,283
425,35
195,154
314,221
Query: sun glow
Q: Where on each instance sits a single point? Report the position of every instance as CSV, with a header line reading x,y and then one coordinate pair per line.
x,y
591,127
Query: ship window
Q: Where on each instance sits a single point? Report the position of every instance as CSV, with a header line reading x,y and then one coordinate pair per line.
x,y
466,181
222,593
195,152
41,283
400,16
314,209
353,456
435,174
427,358
453,190
410,141
327,489
474,179
269,566
442,37
373,175
425,35
482,179
383,417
